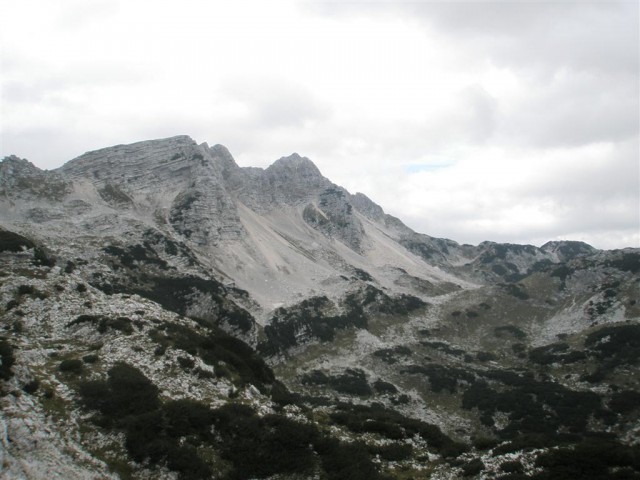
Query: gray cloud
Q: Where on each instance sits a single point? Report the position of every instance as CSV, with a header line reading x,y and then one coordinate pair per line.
x,y
547,34
581,109
275,103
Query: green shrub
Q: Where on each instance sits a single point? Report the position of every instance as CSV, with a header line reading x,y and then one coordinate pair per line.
x,y
6,360
126,392
504,330
26,290
261,447
71,366
32,386
548,354
11,304
186,363
393,452
515,289
351,382
590,460
188,417
472,467
91,358
383,387
440,377
484,443
12,242
346,461
617,345
215,347
485,356
393,425
514,466
122,324
41,257
315,377
625,401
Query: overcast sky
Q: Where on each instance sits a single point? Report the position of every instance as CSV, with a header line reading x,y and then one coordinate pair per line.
x,y
511,121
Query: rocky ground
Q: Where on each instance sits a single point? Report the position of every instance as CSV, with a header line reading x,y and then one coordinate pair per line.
x,y
167,314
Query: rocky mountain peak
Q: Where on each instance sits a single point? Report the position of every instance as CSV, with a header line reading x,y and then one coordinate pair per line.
x,y
224,160
367,207
150,155
567,249
20,178
295,166
13,164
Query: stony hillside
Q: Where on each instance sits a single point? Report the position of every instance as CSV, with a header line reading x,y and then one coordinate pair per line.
x,y
169,314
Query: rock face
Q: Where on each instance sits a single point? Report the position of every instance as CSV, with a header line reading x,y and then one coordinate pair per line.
x,y
278,232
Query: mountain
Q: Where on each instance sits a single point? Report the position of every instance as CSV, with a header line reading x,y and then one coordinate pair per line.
x,y
167,312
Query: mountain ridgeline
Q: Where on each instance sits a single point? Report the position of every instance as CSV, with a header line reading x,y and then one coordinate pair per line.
x,y
169,314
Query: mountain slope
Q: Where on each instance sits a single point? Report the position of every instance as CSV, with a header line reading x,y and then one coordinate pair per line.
x,y
278,326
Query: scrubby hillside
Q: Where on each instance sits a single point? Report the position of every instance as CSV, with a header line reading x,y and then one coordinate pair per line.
x,y
168,314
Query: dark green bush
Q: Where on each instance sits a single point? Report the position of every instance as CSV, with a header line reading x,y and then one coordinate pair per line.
x,y
388,355
122,324
186,363
188,417
26,290
346,461
261,447
125,392
91,358
625,401
71,366
11,304
383,387
32,386
351,382
41,257
214,347
472,467
548,354
315,377
616,345
185,459
629,262
514,466
534,407
591,460
443,347
6,360
515,289
393,452
393,425
512,330
484,443
485,356
441,377
12,242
